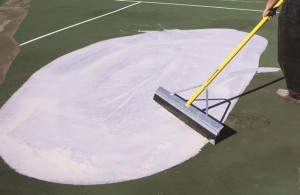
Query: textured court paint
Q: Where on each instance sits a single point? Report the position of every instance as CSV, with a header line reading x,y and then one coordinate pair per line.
x,y
89,118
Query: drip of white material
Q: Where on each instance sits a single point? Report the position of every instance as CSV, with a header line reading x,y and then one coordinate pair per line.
x,y
267,70
89,118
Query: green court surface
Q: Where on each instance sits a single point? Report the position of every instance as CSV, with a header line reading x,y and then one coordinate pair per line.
x,y
262,158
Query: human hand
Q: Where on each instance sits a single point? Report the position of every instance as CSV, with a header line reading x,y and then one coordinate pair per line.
x,y
269,11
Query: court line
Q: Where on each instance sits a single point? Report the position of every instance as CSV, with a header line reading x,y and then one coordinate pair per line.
x,y
77,24
192,5
242,1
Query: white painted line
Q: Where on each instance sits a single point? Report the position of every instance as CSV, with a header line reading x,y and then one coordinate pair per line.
x,y
264,2
77,24
192,5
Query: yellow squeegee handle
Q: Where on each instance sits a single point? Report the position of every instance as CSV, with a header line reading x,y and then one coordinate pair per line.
x,y
231,56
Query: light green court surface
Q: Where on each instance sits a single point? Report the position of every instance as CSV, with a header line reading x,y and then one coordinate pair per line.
x,y
262,158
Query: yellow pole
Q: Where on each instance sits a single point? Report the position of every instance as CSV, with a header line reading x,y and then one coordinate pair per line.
x,y
231,56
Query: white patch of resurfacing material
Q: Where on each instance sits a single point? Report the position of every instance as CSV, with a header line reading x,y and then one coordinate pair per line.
x,y
89,117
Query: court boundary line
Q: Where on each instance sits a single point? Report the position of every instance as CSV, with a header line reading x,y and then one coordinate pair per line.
x,y
243,1
136,3
77,24
192,5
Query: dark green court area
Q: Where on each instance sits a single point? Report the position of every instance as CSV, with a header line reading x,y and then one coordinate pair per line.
x,y
262,158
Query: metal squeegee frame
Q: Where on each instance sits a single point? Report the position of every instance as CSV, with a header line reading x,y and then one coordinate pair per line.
x,y
194,117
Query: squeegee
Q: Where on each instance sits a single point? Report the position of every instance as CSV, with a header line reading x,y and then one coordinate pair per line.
x,y
190,114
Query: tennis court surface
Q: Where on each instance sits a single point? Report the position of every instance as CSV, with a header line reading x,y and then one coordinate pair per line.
x,y
261,158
